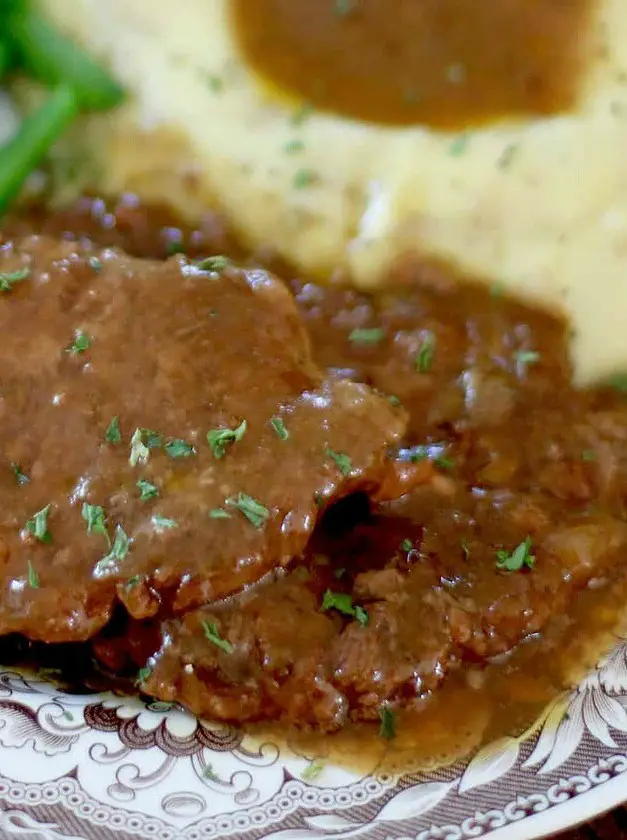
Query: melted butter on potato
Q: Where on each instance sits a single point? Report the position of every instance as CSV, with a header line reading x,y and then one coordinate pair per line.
x,y
534,200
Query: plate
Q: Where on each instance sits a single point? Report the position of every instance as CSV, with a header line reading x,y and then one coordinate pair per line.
x,y
110,767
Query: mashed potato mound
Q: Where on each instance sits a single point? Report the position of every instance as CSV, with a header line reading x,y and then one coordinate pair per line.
x,y
539,205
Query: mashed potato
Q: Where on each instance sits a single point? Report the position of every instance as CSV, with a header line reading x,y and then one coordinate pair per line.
x,y
539,205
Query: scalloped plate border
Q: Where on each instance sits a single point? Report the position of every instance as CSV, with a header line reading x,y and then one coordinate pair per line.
x,y
106,767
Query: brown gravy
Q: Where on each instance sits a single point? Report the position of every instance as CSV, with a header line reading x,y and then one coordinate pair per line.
x,y
537,446
445,63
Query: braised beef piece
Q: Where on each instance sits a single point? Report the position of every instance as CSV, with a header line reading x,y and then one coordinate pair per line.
x,y
166,438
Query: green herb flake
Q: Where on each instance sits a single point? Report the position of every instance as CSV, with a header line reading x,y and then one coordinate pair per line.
x,y
527,357
407,545
218,513
20,475
119,551
174,247
293,147
38,525
459,145
209,773
424,357
163,523
213,635
387,729
343,603
32,576
443,462
94,516
142,442
312,771
343,7
497,289
304,178
178,448
520,557
302,114
142,675
81,343
216,83
10,278
255,512
95,264
465,548
147,490
342,461
216,264
338,574
367,335
588,455
131,582
220,439
112,432
279,427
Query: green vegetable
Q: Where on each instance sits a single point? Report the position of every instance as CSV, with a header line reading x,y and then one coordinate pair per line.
x,y
212,633
179,449
520,557
81,343
255,512
142,675
38,525
372,335
219,439
218,513
343,603
293,146
342,461
407,545
527,357
112,433
216,264
32,141
33,577
147,490
387,728
8,279
48,55
20,476
94,516
119,551
312,771
304,178
279,427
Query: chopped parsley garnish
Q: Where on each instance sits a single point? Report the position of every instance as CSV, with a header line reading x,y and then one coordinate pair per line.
x,y
38,525
81,343
497,288
209,773
163,523
424,357
301,114
312,771
255,512
338,574
131,582
147,490
527,357
343,603
20,475
588,455
32,576
174,247
465,549
143,674
343,7
520,557
216,83
112,433
220,439
459,145
279,427
407,545
119,550
94,516
394,400
387,729
367,335
213,635
218,513
292,147
420,452
142,442
304,178
95,264
342,461
8,279
217,264
178,448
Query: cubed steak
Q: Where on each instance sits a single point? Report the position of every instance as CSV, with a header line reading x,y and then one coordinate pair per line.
x,y
165,437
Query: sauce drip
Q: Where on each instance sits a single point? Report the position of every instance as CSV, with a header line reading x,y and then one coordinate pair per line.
x,y
444,63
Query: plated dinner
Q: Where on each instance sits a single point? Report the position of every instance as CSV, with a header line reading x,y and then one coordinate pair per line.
x,y
313,418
